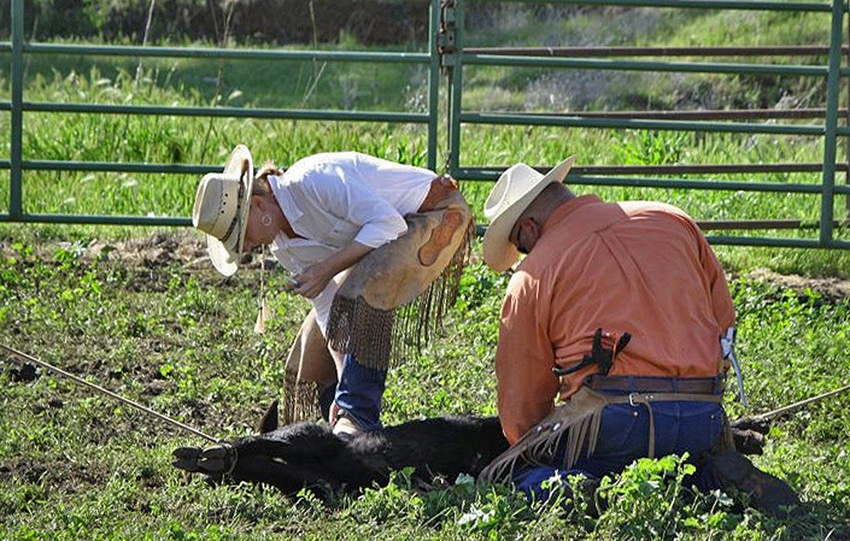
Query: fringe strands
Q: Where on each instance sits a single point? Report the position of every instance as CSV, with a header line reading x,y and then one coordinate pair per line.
x,y
300,400
384,338
578,421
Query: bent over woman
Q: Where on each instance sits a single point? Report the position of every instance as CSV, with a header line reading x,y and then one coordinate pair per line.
x,y
371,243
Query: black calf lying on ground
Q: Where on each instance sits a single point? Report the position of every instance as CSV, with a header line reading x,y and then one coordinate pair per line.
x,y
309,455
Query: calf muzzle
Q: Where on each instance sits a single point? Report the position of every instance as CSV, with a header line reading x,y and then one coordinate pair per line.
x,y
216,460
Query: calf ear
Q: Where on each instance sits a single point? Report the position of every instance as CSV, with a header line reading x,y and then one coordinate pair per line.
x,y
269,421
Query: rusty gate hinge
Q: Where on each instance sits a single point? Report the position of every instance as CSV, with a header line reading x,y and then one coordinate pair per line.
x,y
447,35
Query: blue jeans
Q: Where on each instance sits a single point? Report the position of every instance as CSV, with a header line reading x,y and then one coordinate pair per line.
x,y
359,393
624,435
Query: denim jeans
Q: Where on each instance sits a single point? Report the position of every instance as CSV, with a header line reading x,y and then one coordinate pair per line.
x,y
624,435
359,393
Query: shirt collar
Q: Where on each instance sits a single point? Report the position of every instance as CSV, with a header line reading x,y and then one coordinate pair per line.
x,y
283,194
569,207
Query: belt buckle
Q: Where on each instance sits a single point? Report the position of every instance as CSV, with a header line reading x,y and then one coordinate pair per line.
x,y
641,398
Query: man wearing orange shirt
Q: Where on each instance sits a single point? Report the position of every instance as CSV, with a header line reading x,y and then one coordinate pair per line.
x,y
619,309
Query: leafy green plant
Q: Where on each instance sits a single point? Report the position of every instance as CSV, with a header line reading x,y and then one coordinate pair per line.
x,y
497,512
646,147
647,501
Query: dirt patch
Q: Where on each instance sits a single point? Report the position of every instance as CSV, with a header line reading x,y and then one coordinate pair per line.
x,y
830,290
183,248
188,250
158,250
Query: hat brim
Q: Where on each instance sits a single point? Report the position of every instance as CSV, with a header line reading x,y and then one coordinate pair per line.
x,y
225,255
499,254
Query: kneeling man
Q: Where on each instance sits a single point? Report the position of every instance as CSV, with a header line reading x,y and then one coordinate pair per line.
x,y
622,311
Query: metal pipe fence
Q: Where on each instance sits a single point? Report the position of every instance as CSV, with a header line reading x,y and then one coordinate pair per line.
x,y
827,122
19,106
448,58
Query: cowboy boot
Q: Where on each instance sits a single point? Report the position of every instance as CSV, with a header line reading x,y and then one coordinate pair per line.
x,y
766,492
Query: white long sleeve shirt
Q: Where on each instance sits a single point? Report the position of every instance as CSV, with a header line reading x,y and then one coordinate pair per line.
x,y
335,198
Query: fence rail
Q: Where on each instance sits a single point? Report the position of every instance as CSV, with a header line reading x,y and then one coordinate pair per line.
x,y
459,58
448,58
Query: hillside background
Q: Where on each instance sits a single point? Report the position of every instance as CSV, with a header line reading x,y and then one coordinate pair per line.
x,y
282,22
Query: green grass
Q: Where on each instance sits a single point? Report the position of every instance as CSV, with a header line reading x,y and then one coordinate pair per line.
x,y
77,464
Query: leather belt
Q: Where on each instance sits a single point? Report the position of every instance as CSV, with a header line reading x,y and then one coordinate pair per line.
x,y
648,384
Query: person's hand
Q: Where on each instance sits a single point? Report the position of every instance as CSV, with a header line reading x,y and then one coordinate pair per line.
x,y
312,281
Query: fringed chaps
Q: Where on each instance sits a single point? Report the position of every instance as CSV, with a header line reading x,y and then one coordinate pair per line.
x,y
398,294
577,420
309,369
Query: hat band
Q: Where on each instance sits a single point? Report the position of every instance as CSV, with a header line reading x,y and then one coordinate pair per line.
x,y
238,216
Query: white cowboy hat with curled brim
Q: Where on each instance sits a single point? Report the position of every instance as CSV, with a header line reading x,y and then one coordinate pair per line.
x,y
221,209
513,192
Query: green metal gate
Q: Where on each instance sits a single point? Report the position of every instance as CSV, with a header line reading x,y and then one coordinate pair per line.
x,y
824,120
20,107
449,58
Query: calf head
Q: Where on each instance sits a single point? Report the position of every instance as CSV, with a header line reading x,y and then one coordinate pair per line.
x,y
303,455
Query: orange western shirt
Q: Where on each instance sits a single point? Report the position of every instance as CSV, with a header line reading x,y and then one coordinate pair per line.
x,y
637,267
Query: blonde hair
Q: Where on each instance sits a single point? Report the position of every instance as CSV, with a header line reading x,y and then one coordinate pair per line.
x,y
261,179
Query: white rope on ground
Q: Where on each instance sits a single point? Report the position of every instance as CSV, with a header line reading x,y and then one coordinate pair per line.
x,y
178,424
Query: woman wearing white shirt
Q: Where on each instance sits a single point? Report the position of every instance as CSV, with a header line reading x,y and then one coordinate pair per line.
x,y
321,217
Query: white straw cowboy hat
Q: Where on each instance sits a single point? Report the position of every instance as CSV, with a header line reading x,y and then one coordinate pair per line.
x,y
514,191
221,209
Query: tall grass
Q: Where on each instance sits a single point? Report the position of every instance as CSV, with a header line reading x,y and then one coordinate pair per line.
x,y
145,139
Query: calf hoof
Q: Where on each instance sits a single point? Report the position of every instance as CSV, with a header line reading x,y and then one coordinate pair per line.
x,y
748,442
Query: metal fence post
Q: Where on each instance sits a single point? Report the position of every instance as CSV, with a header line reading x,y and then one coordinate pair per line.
x,y
433,82
16,211
830,137
453,20
847,140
